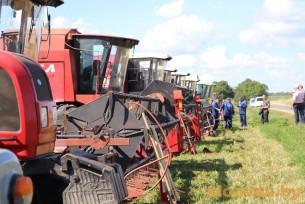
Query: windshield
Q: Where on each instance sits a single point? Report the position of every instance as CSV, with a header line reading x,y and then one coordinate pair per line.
x,y
168,76
192,85
201,90
21,27
111,72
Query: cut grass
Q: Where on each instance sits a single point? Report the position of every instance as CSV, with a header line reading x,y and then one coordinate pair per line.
x,y
249,164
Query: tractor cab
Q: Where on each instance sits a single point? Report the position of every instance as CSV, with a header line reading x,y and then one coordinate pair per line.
x,y
179,78
191,82
143,70
22,32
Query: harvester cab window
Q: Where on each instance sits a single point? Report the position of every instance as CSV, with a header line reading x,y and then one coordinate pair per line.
x,y
116,69
113,63
145,68
201,90
154,70
160,70
28,19
135,77
90,50
9,110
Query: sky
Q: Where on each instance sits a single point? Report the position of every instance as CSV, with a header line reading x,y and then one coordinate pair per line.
x,y
231,40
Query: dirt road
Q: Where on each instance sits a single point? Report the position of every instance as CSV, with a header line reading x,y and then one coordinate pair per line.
x,y
281,107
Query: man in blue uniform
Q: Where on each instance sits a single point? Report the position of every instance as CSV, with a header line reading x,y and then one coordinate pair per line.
x,y
228,112
215,113
242,105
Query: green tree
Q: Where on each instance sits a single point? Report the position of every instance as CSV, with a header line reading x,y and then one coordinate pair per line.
x,y
250,89
223,90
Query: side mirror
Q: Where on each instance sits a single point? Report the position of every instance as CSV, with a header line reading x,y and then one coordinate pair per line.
x,y
95,66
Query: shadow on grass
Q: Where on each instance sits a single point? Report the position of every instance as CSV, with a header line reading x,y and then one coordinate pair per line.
x,y
185,169
219,143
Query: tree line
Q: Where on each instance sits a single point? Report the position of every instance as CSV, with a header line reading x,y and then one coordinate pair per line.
x,y
248,89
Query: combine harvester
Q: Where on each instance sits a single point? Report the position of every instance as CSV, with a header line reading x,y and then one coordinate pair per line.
x,y
125,131
148,75
111,142
205,93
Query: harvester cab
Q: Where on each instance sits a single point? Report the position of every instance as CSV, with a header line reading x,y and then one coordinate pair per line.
x,y
168,75
204,92
142,70
27,18
83,67
179,78
191,82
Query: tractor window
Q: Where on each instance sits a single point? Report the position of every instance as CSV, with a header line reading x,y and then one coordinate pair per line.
x,y
9,110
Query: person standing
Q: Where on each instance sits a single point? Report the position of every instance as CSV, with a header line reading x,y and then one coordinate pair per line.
x,y
298,105
215,113
265,110
242,105
301,89
228,112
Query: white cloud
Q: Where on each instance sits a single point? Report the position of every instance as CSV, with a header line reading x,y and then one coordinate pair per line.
x,y
80,24
301,57
278,7
171,9
250,36
280,25
60,22
261,60
215,58
180,35
183,62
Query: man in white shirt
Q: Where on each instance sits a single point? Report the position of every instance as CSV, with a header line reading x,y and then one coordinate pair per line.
x,y
298,105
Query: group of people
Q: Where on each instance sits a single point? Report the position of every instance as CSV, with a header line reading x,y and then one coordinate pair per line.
x,y
298,104
227,111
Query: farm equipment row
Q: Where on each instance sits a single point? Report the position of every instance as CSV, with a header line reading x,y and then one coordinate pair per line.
x,y
93,125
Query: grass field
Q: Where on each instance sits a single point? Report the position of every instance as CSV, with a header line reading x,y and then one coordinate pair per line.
x,y
281,99
260,164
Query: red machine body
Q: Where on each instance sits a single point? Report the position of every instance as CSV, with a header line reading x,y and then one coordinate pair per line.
x,y
25,95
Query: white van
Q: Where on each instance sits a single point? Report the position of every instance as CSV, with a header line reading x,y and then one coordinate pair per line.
x,y
258,101
252,100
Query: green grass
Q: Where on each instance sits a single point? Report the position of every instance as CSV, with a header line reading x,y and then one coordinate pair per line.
x,y
250,163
